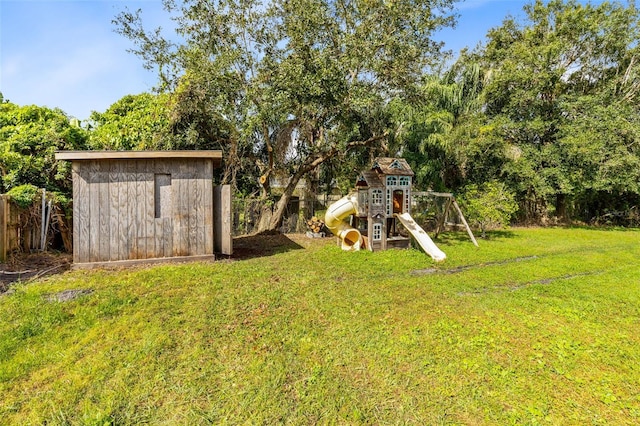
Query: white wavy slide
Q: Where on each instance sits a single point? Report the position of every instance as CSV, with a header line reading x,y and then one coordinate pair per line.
x,y
421,237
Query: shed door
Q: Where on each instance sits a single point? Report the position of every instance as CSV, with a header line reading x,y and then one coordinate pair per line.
x,y
222,239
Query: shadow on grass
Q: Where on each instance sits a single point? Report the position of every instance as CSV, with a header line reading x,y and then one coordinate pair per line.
x,y
602,228
250,246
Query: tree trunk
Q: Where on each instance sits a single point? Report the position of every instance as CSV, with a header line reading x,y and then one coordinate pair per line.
x,y
265,220
561,207
280,209
270,222
271,226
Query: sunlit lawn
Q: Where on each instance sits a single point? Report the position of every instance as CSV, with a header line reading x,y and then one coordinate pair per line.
x,y
537,326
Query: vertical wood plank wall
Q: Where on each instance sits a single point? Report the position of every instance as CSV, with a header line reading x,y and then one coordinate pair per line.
x,y
116,215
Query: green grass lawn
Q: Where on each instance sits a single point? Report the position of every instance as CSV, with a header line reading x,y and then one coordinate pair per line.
x,y
537,326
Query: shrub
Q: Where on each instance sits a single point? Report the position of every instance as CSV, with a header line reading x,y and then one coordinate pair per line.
x,y
24,195
488,206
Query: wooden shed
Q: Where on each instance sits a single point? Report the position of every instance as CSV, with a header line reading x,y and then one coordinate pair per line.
x,y
132,206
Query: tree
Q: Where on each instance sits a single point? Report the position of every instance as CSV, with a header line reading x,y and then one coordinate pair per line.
x,y
29,137
135,122
442,131
290,85
176,120
564,97
601,144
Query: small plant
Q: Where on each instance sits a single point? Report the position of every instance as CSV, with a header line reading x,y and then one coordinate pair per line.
x,y
488,206
24,195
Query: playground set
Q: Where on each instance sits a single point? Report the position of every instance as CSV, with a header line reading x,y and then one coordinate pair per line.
x,y
178,214
380,203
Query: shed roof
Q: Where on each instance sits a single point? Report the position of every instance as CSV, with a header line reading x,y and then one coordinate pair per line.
x,y
215,155
392,166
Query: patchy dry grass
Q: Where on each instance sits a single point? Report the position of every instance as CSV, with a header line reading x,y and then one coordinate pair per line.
x,y
538,326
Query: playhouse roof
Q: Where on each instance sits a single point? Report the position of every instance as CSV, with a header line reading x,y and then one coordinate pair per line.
x,y
392,166
369,178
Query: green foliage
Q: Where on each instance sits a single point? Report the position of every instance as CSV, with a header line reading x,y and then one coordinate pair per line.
x,y
549,106
29,137
537,326
563,96
488,206
24,195
135,122
286,86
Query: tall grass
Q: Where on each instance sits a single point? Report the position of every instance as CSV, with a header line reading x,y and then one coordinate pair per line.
x,y
537,326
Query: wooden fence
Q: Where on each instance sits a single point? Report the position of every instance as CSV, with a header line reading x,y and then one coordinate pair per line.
x,y
247,212
21,230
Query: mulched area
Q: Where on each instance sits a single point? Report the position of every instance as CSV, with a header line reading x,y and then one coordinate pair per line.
x,y
250,246
23,267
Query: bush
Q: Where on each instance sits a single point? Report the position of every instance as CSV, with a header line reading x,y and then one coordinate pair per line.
x,y
488,206
24,195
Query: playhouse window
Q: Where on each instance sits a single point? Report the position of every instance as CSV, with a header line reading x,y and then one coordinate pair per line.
x,y
389,202
363,199
396,165
377,231
392,181
376,197
405,181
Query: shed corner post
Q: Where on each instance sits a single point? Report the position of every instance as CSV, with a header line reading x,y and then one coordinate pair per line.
x,y
222,210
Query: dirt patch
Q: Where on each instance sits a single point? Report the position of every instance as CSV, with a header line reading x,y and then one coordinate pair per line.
x,y
467,267
31,266
66,295
515,287
247,247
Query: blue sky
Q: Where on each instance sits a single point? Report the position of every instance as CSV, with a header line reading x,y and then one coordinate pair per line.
x,y
65,53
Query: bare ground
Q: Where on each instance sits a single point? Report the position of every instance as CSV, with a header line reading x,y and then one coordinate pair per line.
x,y
23,267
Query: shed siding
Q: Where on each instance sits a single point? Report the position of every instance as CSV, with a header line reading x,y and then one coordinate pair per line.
x,y
115,209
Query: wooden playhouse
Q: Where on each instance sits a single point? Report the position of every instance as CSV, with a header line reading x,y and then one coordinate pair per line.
x,y
142,206
384,192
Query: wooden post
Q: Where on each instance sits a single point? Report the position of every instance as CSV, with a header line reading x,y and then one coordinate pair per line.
x,y
222,210
42,216
4,218
443,218
455,204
